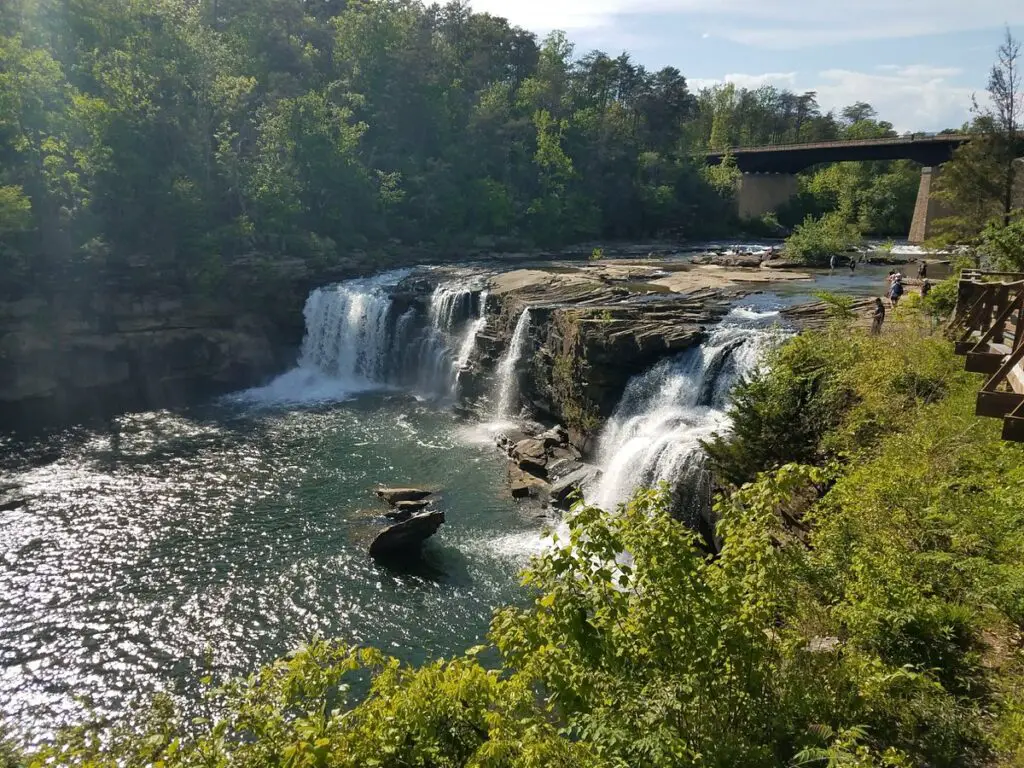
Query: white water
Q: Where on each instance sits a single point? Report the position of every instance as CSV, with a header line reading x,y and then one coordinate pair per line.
x,y
508,374
469,339
654,435
358,339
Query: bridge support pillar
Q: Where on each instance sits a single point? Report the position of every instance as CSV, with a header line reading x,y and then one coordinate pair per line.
x,y
761,193
928,209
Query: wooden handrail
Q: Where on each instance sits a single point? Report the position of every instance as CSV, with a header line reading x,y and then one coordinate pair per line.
x,y
1000,321
1004,370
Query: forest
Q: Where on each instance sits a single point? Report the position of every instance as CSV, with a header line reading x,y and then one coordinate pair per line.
x,y
179,136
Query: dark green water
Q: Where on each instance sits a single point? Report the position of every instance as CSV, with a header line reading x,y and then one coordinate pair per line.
x,y
235,533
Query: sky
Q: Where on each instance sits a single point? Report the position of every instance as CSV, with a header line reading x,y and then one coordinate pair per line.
x,y
918,62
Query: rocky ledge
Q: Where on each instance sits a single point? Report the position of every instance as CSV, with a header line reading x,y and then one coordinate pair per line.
x,y
545,466
414,523
593,327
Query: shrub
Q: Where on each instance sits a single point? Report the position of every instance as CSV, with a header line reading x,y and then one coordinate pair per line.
x,y
815,240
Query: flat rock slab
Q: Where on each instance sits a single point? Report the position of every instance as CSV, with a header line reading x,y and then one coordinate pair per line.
x,y
406,538
563,490
410,506
395,495
531,448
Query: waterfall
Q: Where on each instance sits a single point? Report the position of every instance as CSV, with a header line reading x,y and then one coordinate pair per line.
x,y
655,433
508,378
349,331
469,339
360,337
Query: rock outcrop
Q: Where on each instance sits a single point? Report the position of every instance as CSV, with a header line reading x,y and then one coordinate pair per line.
x,y
405,539
545,467
396,496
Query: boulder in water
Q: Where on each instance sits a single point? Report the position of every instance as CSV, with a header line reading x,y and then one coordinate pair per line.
x,y
406,538
531,448
411,507
11,501
525,485
395,495
562,491
555,437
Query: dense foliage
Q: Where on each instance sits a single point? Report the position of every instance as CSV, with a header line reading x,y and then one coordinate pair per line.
x,y
182,137
864,609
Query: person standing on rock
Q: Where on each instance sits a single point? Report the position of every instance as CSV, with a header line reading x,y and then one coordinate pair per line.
x,y
877,318
922,270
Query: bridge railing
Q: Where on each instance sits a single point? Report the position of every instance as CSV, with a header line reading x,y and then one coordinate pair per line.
x,y
990,322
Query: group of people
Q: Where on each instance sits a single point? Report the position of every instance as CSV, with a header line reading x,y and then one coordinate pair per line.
x,y
895,293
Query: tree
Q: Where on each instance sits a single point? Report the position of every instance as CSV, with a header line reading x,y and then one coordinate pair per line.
x,y
1002,118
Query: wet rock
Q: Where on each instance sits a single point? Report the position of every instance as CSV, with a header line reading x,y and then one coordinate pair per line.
x,y
508,439
399,515
395,495
564,490
525,485
406,538
410,506
12,501
531,448
556,436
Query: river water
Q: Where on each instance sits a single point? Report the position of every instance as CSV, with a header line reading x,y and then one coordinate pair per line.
x,y
230,534
161,547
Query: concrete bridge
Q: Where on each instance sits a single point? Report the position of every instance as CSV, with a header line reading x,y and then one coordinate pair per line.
x,y
769,173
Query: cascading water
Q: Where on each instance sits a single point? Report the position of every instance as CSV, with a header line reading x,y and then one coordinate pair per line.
x,y
507,376
655,433
359,337
469,339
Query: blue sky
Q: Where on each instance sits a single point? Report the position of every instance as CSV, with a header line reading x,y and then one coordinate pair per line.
x,y
917,61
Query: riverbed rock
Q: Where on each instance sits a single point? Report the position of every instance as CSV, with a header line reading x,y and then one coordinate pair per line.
x,y
525,485
531,448
555,436
12,501
410,506
406,538
394,496
562,491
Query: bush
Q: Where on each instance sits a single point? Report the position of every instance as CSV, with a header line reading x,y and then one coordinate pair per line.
x,y
815,240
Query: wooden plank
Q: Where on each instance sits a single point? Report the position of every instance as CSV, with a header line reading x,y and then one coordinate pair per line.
x,y
1013,426
998,404
984,362
1004,370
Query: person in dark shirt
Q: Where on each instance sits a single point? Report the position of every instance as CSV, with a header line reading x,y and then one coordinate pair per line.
x,y
922,270
926,288
878,317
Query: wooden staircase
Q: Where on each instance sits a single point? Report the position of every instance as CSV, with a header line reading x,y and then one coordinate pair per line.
x,y
990,322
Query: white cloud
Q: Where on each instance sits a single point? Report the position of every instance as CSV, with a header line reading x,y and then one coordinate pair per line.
x,y
773,23
918,97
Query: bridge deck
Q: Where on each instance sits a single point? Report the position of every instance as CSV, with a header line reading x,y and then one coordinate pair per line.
x,y
990,314
791,158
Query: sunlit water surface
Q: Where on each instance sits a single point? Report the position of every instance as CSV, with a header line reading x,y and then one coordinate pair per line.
x,y
166,546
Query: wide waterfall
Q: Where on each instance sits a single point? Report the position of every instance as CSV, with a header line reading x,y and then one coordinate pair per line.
x,y
359,337
507,381
655,433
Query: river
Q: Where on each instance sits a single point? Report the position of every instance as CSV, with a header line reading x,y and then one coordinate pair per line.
x,y
161,547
